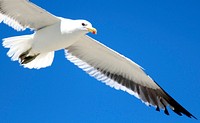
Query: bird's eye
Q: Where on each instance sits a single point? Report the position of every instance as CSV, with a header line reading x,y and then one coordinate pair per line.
x,y
83,24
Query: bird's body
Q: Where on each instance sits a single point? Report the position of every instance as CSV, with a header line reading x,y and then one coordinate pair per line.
x,y
39,47
54,37
55,33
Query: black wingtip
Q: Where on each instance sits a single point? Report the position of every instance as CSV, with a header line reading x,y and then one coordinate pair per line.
x,y
166,111
157,109
193,117
173,104
177,108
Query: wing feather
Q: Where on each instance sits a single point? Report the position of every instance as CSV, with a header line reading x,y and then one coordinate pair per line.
x,y
22,14
121,73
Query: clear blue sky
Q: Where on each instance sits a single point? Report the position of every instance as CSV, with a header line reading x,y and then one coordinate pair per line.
x,y
162,36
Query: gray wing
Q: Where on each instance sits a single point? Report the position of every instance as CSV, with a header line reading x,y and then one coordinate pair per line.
x,y
22,14
121,73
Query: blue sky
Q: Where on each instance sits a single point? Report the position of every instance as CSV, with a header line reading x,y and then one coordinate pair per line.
x,y
161,36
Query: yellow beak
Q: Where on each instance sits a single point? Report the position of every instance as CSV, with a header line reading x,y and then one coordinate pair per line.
x,y
92,30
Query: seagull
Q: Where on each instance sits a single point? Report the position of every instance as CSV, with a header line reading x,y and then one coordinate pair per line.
x,y
52,33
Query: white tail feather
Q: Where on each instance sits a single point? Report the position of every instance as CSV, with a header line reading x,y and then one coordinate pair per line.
x,y
41,61
21,44
17,45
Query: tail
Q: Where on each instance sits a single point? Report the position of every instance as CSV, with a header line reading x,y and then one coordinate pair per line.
x,y
20,50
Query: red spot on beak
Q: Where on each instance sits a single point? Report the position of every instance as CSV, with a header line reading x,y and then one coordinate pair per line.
x,y
92,30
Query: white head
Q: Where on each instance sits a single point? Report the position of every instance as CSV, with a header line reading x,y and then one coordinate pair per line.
x,y
82,26
85,26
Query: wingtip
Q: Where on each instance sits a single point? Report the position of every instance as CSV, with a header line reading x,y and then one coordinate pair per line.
x,y
192,116
182,111
166,111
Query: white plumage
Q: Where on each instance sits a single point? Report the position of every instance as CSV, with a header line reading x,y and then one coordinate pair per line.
x,y
55,33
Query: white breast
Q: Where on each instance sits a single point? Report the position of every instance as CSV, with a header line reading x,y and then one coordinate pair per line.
x,y
55,37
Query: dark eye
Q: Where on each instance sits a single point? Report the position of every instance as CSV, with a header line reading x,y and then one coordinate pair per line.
x,y
83,24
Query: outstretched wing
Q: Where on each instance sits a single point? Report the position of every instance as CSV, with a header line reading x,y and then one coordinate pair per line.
x,y
121,73
22,14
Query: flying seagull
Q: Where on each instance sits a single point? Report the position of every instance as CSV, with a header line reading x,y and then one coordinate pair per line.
x,y
52,33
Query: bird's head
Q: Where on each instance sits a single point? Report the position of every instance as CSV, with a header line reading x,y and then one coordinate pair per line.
x,y
86,26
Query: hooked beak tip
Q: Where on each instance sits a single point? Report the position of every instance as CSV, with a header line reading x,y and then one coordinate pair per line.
x,y
92,30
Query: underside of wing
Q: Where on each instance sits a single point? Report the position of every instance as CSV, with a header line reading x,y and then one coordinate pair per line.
x,y
121,73
22,14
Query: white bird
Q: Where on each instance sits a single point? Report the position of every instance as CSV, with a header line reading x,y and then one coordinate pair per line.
x,y
54,33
